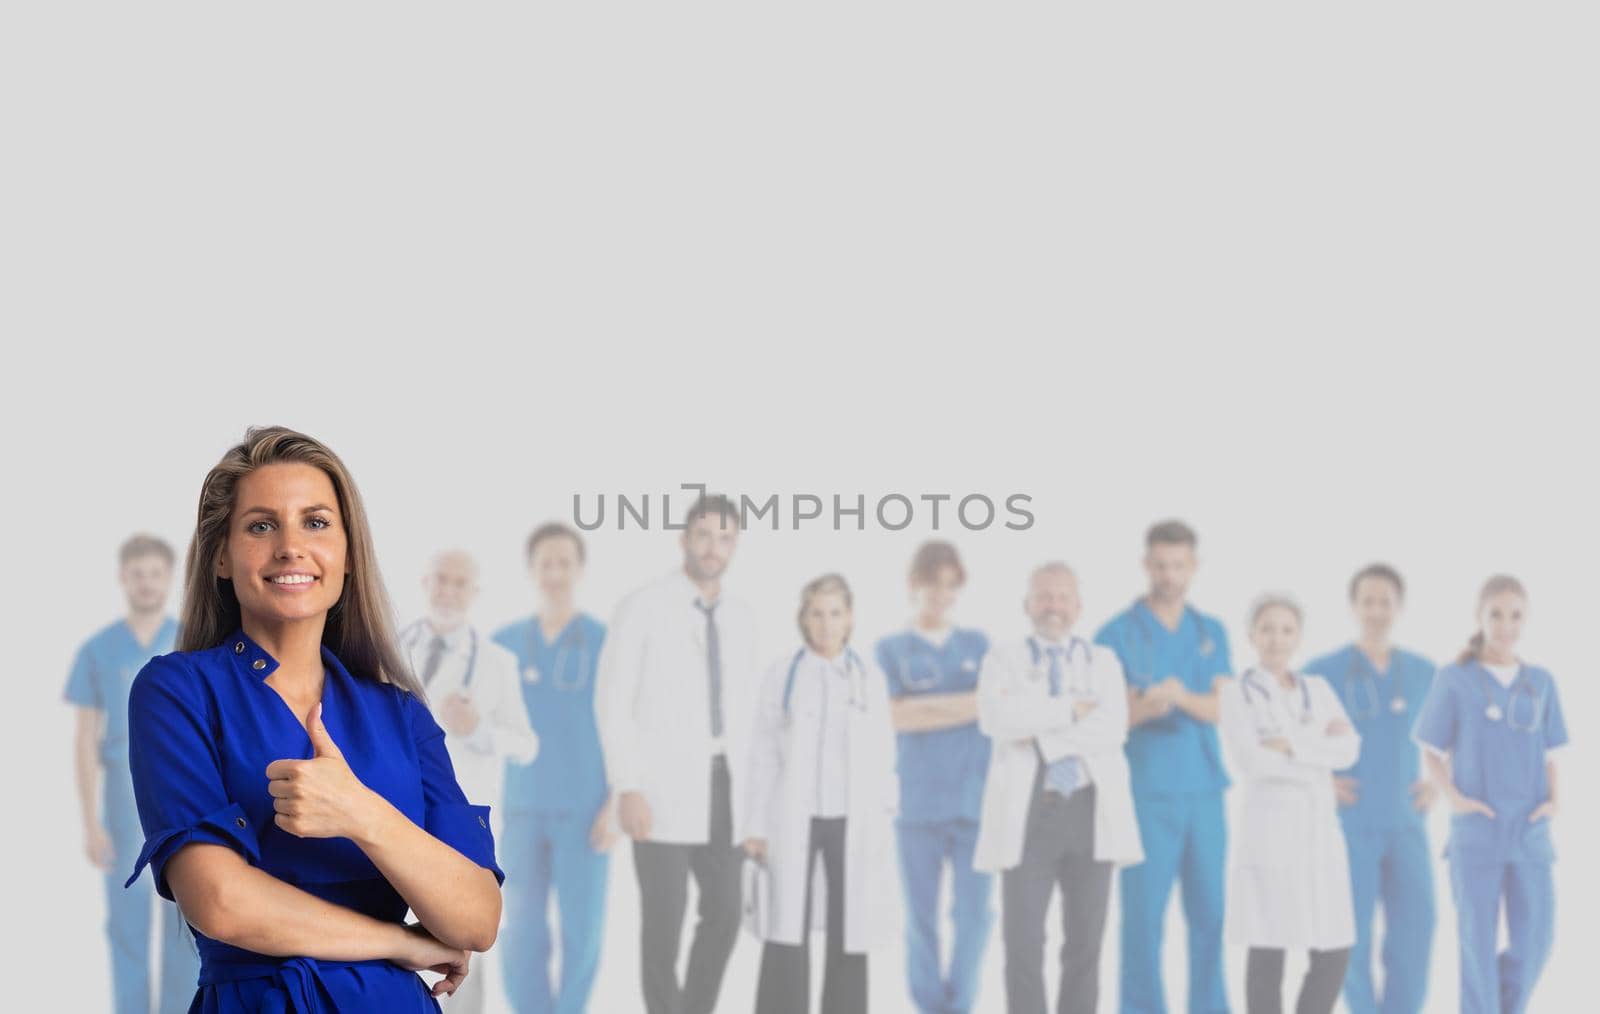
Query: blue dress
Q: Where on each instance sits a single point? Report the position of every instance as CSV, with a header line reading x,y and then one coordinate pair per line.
x,y
202,728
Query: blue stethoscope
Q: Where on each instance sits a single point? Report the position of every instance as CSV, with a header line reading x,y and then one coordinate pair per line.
x,y
1363,708
413,635
855,671
1148,636
1251,686
1075,687
563,651
1520,687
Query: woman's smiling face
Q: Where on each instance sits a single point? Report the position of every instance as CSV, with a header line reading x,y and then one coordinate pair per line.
x,y
286,547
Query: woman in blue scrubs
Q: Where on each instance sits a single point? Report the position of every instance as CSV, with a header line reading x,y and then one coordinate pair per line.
x,y
1383,799
943,759
294,790
1489,725
558,828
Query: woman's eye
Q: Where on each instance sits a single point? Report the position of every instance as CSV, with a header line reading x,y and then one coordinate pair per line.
x,y
258,527
317,522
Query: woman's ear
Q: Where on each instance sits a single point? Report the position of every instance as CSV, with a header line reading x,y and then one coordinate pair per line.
x,y
224,571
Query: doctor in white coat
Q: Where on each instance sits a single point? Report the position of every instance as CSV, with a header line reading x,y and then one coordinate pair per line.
x,y
472,684
822,796
473,691
1289,879
1057,805
672,699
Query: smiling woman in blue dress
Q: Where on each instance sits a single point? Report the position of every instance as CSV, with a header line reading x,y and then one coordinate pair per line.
x,y
294,790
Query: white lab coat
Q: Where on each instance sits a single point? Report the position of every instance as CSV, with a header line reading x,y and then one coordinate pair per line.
x,y
503,732
1289,874
782,789
1016,710
653,704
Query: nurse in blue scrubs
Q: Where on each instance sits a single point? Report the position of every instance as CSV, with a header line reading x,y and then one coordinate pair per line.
x,y
1383,799
98,686
1175,659
294,790
1490,726
558,831
943,759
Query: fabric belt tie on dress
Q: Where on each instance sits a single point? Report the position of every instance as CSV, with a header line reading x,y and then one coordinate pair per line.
x,y
299,982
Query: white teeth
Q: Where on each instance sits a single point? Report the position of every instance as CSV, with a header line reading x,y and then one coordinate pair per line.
x,y
292,579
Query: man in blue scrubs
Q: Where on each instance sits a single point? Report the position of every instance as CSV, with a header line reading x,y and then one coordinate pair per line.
x,y
1175,659
98,686
558,831
1383,800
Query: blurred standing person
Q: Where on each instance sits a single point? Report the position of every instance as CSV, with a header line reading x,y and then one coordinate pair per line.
x,y
1058,809
676,679
558,828
822,797
1492,724
98,686
932,669
472,690
1176,661
1290,882
1383,798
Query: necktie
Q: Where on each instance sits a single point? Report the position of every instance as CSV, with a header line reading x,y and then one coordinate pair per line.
x,y
431,664
1066,774
713,665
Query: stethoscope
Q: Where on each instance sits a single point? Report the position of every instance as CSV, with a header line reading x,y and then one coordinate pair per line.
x,y
413,636
1075,686
1365,708
1520,687
903,667
1148,637
1251,686
563,651
855,674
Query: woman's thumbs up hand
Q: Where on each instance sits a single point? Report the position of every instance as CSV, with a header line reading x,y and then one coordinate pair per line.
x,y
320,797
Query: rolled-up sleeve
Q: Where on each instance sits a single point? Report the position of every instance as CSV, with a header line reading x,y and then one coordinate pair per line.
x,y
177,777
446,813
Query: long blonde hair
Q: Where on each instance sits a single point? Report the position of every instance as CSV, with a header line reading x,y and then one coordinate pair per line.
x,y
360,626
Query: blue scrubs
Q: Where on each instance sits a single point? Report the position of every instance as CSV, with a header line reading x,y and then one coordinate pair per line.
x,y
550,806
100,678
1386,836
942,772
1178,785
1497,739
202,728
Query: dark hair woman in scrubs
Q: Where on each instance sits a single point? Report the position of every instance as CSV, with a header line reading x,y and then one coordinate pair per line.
x,y
294,791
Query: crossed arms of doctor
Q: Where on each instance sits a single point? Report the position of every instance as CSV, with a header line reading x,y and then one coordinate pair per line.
x,y
1300,753
1062,726
1158,701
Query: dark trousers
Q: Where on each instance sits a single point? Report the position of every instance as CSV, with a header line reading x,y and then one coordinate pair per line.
x,y
1058,850
785,984
663,870
1263,981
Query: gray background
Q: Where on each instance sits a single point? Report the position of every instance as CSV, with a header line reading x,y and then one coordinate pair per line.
x,y
1315,280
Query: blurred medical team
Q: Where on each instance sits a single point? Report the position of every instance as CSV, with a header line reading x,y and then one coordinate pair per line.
x,y
857,795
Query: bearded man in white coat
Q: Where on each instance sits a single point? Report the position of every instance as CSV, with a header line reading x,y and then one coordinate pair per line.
x,y
1057,805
